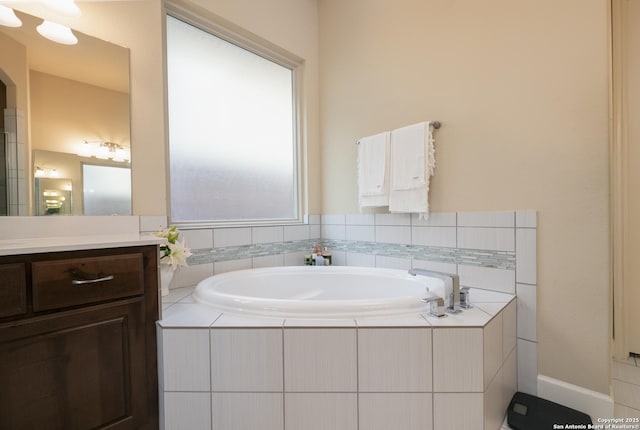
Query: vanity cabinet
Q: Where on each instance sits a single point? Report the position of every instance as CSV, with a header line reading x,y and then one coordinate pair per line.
x,y
78,340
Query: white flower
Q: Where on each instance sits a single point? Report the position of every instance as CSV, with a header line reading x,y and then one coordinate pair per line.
x,y
176,254
171,234
173,252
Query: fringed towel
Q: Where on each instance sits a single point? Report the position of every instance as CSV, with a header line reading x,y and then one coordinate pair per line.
x,y
373,170
412,163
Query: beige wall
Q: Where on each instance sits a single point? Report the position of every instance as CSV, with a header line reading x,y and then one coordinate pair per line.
x,y
521,89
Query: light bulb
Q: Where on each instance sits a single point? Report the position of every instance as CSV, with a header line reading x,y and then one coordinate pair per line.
x,y
57,33
120,155
84,149
102,153
8,17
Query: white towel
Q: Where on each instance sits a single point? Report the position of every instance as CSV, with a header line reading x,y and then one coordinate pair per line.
x,y
412,164
373,170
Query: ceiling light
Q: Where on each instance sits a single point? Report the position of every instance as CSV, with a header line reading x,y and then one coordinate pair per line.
x,y
63,7
8,17
57,33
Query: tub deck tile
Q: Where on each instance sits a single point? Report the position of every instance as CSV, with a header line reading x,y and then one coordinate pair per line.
x,y
191,315
479,295
177,294
491,308
230,320
416,320
473,317
329,322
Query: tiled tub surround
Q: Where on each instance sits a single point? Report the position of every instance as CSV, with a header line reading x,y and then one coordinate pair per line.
x,y
224,371
489,250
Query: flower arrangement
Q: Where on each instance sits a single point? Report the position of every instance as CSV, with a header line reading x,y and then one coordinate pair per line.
x,y
173,253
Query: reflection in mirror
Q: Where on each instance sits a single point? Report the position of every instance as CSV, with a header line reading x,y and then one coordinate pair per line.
x,y
106,190
110,189
13,185
53,196
75,101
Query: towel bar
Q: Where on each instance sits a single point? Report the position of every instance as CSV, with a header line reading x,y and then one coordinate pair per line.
x,y
434,124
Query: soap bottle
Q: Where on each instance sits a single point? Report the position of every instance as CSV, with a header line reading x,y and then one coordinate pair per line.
x,y
327,256
314,255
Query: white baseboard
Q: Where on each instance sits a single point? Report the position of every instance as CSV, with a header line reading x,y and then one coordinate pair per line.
x,y
593,403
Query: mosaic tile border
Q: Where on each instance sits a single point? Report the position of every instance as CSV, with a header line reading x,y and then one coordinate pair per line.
x,y
214,255
470,257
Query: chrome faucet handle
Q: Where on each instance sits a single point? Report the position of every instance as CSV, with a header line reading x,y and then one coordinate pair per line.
x,y
465,301
437,308
454,297
451,287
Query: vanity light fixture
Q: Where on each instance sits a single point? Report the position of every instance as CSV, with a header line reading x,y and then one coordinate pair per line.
x,y
46,172
104,150
57,33
8,17
114,151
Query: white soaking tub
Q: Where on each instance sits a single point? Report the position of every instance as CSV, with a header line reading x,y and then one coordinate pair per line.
x,y
357,346
318,292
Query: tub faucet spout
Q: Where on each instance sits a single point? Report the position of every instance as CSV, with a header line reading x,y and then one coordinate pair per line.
x,y
451,287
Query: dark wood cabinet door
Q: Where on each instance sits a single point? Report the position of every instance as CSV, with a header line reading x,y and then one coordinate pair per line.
x,y
81,369
13,290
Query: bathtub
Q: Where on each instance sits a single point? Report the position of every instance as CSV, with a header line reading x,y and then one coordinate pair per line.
x,y
354,345
318,292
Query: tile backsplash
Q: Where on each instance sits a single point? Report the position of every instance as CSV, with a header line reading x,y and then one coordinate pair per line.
x,y
480,239
490,250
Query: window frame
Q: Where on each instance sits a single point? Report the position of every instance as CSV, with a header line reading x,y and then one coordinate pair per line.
x,y
210,23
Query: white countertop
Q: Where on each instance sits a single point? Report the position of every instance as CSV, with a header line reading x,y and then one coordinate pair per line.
x,y
75,243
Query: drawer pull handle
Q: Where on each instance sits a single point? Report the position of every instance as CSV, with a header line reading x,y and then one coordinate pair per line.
x,y
91,281
83,278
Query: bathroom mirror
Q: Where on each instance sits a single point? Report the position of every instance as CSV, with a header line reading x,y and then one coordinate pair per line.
x,y
72,104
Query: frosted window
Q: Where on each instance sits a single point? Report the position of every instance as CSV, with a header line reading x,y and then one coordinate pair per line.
x,y
106,190
231,130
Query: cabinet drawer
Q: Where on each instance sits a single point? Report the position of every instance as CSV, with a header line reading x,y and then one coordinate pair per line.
x,y
13,290
71,282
